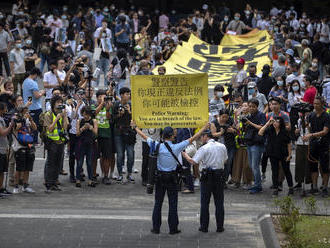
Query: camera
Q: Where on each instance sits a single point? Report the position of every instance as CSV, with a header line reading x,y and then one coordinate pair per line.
x,y
224,127
244,119
121,108
108,98
80,92
113,84
80,65
30,98
303,107
61,107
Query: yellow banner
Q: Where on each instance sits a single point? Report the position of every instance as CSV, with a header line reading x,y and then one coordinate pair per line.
x,y
219,62
179,101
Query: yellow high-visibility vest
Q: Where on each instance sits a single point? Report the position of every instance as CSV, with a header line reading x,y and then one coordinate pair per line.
x,y
55,134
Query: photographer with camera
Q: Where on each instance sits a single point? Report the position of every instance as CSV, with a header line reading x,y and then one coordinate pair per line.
x,y
33,96
105,142
56,122
86,134
23,149
223,131
254,142
278,148
167,175
125,136
4,131
319,125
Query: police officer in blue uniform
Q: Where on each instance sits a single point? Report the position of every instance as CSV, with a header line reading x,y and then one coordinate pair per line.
x,y
167,176
211,158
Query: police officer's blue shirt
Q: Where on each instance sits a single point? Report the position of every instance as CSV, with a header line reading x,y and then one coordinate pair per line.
x,y
165,161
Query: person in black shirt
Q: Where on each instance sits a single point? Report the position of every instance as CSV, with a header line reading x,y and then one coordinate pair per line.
x,y
265,83
278,148
319,125
223,130
30,55
86,133
6,95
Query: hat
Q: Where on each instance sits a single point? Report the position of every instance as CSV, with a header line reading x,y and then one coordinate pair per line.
x,y
168,132
251,85
289,52
241,61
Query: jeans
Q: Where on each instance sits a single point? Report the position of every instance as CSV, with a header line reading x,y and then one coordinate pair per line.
x,y
53,163
84,150
44,59
320,68
207,189
103,65
172,194
35,116
254,155
120,84
229,164
4,59
121,147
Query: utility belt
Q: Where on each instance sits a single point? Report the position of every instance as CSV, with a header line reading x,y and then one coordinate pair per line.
x,y
208,175
167,177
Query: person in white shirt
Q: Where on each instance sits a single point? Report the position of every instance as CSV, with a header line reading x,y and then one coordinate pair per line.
x,y
211,158
239,77
54,77
17,65
291,12
294,23
324,31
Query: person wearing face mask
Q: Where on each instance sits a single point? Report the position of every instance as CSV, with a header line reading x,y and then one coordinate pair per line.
x,y
122,33
223,25
295,74
310,92
17,65
5,42
236,26
295,94
279,90
217,103
324,32
30,55
326,85
254,93
313,71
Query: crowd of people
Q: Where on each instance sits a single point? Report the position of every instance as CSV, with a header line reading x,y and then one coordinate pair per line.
x,y
71,52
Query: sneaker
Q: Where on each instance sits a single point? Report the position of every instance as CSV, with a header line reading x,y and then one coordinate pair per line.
x,y
246,186
230,182
63,172
28,190
55,188
120,179
106,181
113,177
314,191
135,170
263,177
16,190
297,186
255,190
290,191
124,170
325,193
275,193
130,179
196,183
48,191
5,192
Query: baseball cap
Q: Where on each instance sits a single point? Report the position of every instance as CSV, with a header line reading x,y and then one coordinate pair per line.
x,y
251,85
289,52
241,61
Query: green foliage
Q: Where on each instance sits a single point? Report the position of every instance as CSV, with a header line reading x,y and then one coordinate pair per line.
x,y
310,203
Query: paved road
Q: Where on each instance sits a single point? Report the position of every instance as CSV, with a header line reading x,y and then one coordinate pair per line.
x,y
120,216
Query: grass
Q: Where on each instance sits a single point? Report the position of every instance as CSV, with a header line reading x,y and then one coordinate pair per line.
x,y
313,231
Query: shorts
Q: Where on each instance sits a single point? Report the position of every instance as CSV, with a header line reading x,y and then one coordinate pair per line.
x,y
319,152
3,163
24,159
105,147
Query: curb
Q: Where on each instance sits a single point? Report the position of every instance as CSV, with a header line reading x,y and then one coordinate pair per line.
x,y
268,231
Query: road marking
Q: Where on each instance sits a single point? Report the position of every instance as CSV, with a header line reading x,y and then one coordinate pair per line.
x,y
66,159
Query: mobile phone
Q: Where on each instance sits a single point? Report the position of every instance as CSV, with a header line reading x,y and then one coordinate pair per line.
x,y
30,98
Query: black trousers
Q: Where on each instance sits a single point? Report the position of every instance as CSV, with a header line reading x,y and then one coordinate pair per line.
x,y
145,157
53,163
4,59
161,187
275,170
72,154
214,185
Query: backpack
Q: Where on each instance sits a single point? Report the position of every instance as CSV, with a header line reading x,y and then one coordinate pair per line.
x,y
24,137
117,72
42,127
